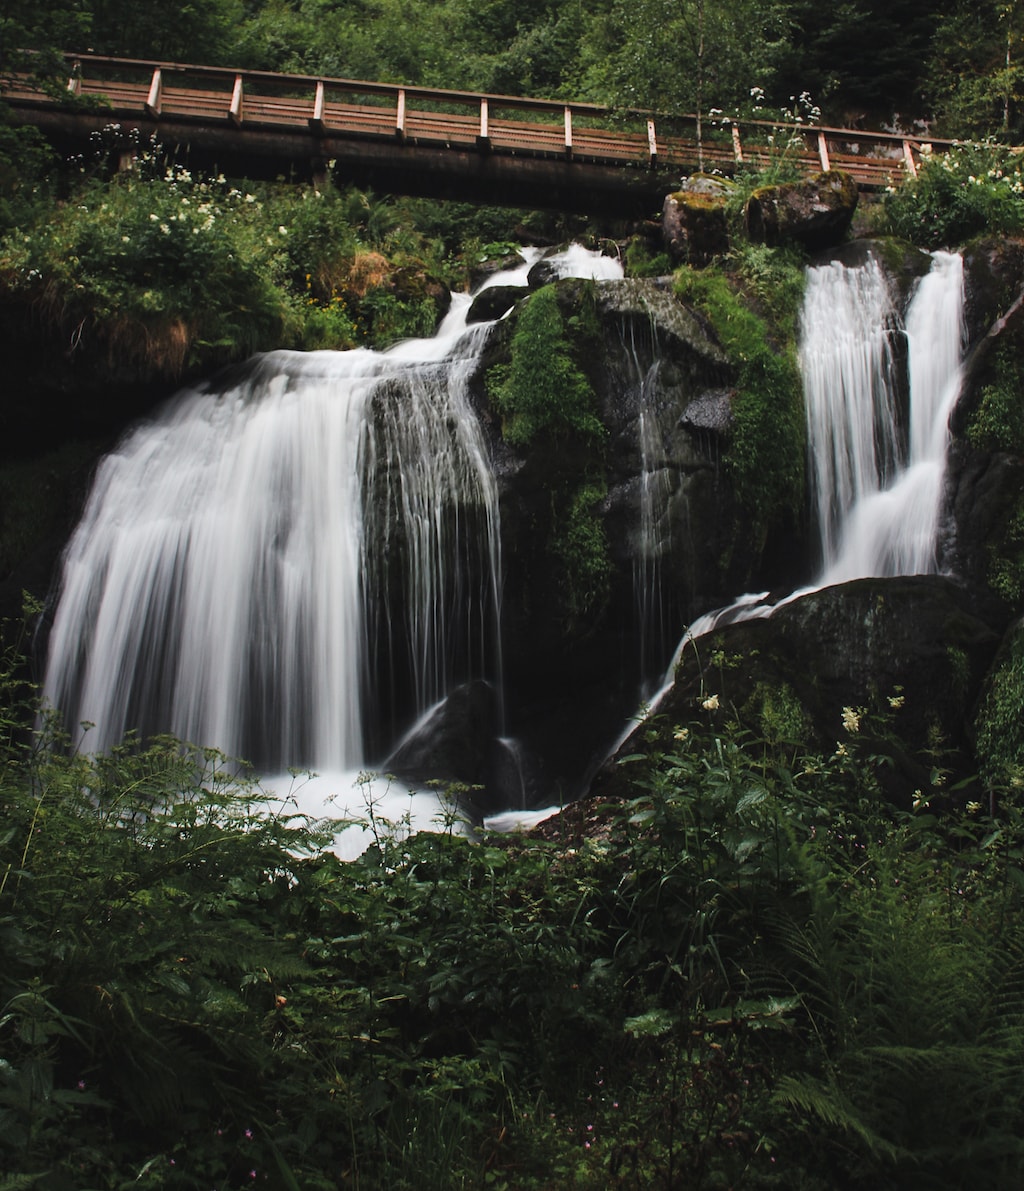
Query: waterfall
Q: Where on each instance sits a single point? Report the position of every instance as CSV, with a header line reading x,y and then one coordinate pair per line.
x,y
294,565
878,509
846,360
224,581
876,486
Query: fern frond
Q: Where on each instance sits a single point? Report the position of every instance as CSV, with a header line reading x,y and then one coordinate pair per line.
x,y
826,1101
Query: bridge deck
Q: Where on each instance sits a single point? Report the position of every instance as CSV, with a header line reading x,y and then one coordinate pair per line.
x,y
518,146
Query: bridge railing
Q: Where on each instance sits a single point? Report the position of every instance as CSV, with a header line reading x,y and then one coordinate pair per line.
x,y
463,120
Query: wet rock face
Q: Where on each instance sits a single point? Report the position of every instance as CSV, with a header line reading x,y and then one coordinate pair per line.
x,y
663,389
917,641
985,463
816,212
493,302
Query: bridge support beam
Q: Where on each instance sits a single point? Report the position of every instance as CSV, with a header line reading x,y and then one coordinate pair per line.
x,y
404,168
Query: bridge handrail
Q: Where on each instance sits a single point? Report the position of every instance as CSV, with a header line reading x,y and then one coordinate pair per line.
x,y
409,92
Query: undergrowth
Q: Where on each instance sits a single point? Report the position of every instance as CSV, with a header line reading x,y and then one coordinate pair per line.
x,y
167,271
755,975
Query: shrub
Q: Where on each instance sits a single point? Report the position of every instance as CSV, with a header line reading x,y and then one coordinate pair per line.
x,y
970,190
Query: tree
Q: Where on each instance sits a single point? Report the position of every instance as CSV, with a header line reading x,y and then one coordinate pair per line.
x,y
975,78
203,31
662,55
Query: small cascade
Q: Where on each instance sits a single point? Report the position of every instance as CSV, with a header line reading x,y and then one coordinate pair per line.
x,y
893,529
876,487
846,360
655,537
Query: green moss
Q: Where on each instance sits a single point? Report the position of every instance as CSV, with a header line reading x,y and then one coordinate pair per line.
x,y
581,545
542,389
1006,556
549,406
765,456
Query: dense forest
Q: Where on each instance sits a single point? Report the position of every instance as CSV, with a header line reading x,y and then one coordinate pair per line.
x,y
744,965
959,69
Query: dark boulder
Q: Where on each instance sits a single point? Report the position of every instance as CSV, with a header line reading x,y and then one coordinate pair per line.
x,y
452,742
493,302
694,227
815,213
908,656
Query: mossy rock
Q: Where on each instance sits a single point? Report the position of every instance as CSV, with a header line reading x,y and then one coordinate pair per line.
x,y
694,226
815,213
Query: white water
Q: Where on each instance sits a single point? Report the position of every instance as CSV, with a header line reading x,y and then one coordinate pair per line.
x,y
234,576
891,526
877,502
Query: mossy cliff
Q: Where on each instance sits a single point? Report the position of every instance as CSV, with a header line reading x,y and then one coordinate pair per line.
x,y
649,445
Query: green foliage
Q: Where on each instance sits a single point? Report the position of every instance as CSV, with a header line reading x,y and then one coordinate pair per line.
x,y
1000,719
973,79
957,195
26,169
543,390
753,975
161,267
766,453
997,423
169,272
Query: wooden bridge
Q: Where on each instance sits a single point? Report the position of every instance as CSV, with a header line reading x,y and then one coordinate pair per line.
x,y
498,149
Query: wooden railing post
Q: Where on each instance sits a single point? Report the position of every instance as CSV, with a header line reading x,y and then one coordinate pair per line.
x,y
908,157
484,139
235,111
737,148
155,93
652,143
400,114
316,121
823,152
568,131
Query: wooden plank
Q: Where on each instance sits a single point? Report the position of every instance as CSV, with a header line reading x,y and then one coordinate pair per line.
x,y
155,88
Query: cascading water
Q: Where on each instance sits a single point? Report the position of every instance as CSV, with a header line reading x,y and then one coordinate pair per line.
x,y
876,490
846,360
891,528
295,567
